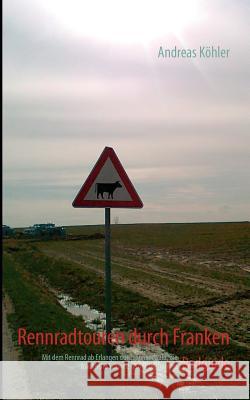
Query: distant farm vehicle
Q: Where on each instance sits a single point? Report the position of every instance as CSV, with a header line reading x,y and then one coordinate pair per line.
x,y
44,231
7,231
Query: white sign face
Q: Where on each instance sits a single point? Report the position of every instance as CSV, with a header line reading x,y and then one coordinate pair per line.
x,y
108,185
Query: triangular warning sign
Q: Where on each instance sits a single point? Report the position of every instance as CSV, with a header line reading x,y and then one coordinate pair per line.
x,y
108,185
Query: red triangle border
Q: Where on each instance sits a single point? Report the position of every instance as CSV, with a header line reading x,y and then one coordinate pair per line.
x,y
79,201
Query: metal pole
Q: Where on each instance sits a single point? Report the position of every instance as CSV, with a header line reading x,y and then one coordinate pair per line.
x,y
107,278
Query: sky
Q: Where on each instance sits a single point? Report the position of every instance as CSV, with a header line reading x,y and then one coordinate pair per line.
x,y
79,75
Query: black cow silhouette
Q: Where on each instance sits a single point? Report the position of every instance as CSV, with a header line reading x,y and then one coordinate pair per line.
x,y
109,188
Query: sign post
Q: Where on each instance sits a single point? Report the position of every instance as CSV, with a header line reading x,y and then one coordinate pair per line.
x,y
108,293
108,186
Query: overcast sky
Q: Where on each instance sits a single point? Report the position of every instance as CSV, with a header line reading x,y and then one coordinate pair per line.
x,y
81,75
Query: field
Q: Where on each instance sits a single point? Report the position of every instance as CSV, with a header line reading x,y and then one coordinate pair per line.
x,y
193,276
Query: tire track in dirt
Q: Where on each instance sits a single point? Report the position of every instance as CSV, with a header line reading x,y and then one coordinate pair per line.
x,y
152,291
211,285
212,302
118,274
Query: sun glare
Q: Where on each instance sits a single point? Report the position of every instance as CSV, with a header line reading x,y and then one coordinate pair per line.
x,y
124,21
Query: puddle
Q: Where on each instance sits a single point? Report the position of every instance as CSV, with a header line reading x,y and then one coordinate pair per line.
x,y
96,321
149,352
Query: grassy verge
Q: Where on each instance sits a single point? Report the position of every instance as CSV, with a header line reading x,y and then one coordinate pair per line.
x,y
38,311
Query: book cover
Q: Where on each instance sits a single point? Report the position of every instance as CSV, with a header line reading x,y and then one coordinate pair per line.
x,y
126,235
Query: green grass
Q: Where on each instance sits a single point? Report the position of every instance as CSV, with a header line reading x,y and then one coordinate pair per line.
x,y
133,246
38,311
